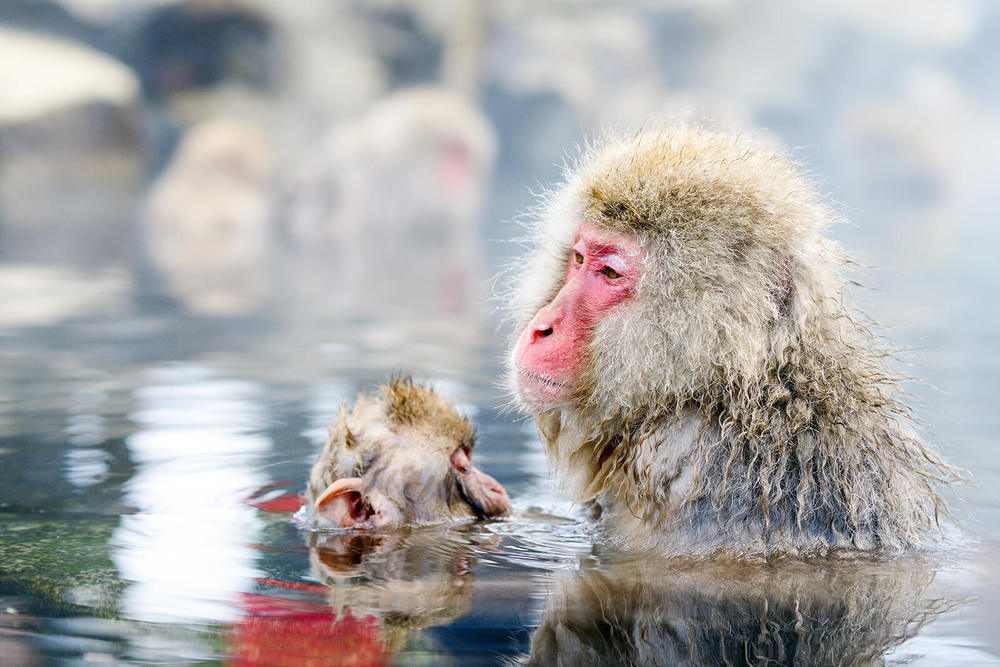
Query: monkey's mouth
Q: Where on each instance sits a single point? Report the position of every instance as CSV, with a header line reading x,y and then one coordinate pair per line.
x,y
543,380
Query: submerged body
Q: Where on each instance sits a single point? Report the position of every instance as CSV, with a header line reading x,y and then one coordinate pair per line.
x,y
684,347
401,457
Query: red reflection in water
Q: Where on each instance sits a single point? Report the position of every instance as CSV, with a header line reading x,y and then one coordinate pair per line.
x,y
287,632
289,502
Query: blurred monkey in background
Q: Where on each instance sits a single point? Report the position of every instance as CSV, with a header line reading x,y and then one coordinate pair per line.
x,y
400,188
207,220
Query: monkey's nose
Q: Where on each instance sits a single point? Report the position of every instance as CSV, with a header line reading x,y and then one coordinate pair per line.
x,y
544,330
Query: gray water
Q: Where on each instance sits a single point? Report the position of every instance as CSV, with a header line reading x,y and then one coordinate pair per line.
x,y
146,461
151,456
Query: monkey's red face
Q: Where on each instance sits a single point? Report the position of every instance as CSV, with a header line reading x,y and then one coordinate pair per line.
x,y
602,271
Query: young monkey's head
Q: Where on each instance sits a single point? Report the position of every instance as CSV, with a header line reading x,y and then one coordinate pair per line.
x,y
402,456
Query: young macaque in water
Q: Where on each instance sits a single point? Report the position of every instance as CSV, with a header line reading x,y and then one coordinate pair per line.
x,y
401,457
694,373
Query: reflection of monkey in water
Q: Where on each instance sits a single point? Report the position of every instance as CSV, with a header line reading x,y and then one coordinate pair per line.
x,y
692,368
418,575
376,590
712,613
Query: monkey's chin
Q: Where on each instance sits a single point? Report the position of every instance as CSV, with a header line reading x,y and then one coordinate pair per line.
x,y
539,393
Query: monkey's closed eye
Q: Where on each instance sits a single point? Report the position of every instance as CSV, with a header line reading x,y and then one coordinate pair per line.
x,y
460,460
611,273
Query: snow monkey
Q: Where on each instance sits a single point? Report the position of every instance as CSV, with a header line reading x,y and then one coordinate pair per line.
x,y
206,219
402,456
693,371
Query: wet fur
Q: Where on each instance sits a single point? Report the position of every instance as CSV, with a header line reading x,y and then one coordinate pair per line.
x,y
735,405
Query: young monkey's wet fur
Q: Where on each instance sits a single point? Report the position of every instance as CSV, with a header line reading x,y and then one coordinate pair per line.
x,y
734,405
401,456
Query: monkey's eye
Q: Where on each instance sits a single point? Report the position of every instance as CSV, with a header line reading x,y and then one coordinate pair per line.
x,y
611,273
578,257
460,460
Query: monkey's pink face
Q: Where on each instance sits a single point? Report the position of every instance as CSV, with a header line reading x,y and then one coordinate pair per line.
x,y
602,271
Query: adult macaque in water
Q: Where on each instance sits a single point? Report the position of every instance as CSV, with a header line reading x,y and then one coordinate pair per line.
x,y
402,456
417,164
692,368
401,187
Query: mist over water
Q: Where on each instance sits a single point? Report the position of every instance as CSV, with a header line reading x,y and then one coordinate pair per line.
x,y
180,320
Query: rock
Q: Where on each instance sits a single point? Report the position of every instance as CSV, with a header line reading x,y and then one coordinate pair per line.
x,y
71,162
40,295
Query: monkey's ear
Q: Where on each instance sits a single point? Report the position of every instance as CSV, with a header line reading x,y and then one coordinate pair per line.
x,y
343,503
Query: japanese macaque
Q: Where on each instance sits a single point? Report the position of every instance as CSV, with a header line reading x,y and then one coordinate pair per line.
x,y
418,162
402,456
692,368
207,219
402,187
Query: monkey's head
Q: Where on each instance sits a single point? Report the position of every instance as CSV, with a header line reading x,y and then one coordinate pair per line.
x,y
670,265
401,457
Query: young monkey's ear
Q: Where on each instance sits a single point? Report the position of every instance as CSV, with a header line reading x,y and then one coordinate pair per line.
x,y
343,503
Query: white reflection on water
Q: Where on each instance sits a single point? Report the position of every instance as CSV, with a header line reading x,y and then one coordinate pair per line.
x,y
87,466
187,548
85,463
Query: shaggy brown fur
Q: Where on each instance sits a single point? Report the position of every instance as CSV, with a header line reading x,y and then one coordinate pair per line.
x,y
416,406
735,405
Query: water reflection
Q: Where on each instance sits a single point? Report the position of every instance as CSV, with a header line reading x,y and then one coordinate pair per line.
x,y
186,546
710,613
407,579
377,592
86,463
